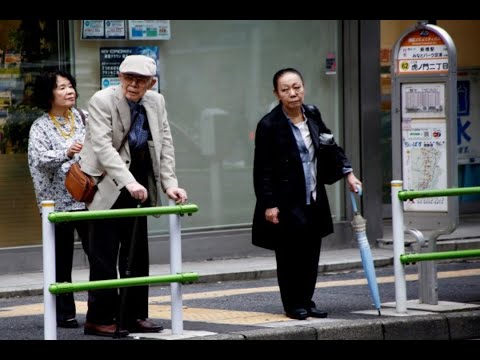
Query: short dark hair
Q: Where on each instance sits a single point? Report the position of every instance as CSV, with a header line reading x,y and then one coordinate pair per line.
x,y
280,72
45,83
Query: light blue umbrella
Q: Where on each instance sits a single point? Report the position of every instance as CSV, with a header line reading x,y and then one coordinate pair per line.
x,y
359,225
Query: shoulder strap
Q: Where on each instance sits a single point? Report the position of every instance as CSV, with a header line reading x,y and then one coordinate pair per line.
x,y
82,115
314,111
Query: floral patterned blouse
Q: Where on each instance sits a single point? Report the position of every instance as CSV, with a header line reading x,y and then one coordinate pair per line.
x,y
48,160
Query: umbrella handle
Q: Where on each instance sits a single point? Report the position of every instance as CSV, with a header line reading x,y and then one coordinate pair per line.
x,y
352,197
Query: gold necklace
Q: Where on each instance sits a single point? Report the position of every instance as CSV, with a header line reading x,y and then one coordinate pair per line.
x,y
70,119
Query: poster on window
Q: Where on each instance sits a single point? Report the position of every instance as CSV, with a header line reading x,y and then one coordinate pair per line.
x,y
149,29
112,57
104,29
468,117
93,29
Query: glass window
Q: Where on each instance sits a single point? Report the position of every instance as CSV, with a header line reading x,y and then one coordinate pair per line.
x,y
216,76
26,47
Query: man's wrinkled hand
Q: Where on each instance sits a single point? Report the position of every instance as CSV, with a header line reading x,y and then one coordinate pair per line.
x,y
137,191
177,194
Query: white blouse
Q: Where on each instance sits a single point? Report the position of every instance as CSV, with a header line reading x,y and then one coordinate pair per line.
x,y
307,139
48,160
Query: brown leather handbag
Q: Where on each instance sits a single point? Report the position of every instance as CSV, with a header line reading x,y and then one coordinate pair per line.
x,y
81,186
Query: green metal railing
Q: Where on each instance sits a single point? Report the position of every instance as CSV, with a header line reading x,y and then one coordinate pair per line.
x,y
57,217
62,288
443,255
457,254
415,194
49,217
400,259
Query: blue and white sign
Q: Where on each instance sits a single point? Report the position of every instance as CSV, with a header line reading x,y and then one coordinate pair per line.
x,y
468,117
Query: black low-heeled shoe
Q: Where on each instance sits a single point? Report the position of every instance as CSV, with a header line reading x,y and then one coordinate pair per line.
x,y
297,314
316,313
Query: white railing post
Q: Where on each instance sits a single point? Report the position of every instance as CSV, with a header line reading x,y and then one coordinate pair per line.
x,y
49,300
176,267
398,247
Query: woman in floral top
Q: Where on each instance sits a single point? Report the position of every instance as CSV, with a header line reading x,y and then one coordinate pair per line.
x,y
55,140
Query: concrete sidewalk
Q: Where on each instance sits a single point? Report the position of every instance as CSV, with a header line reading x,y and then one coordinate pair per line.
x,y
25,284
452,322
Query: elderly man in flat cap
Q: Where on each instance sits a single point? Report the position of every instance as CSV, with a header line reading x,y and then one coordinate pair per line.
x,y
128,149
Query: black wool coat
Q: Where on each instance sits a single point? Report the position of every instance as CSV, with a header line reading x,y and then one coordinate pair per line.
x,y
279,180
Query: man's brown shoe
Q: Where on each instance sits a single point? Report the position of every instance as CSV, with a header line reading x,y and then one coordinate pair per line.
x,y
103,330
144,326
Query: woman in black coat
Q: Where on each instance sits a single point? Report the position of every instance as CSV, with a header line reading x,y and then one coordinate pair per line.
x,y
295,155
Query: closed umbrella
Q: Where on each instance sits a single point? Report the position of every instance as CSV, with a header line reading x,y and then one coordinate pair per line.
x,y
359,225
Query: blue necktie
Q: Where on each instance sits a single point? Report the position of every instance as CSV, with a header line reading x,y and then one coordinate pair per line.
x,y
138,134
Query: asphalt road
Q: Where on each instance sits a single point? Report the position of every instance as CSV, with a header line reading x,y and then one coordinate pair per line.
x,y
231,306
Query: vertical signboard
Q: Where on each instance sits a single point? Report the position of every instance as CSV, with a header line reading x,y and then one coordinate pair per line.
x,y
424,137
424,122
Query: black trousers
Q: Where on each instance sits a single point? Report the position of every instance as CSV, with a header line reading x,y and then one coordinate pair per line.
x,y
111,242
64,247
297,263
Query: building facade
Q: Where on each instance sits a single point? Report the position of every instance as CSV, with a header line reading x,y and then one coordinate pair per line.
x,y
216,76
